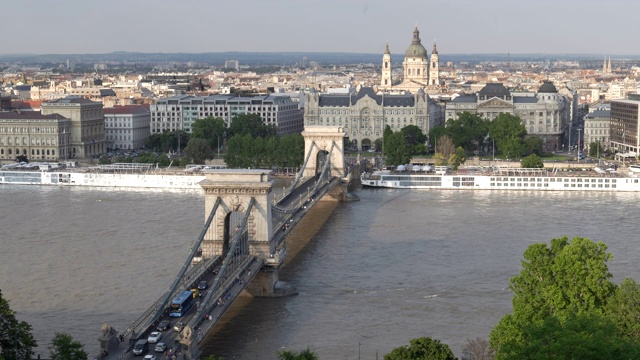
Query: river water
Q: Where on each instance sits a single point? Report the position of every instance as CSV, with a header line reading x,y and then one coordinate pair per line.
x,y
396,265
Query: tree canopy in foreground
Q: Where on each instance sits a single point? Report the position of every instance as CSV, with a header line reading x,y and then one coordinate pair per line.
x,y
423,348
16,340
562,306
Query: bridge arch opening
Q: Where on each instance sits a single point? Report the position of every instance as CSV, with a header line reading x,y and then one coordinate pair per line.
x,y
232,223
321,159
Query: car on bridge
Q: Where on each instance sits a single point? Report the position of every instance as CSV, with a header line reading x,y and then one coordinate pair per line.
x,y
196,293
203,285
160,347
154,337
141,347
164,325
178,326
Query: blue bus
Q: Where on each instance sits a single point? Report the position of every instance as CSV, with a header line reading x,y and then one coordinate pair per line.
x,y
181,304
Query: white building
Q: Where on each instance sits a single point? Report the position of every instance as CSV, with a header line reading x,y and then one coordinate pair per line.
x,y
179,112
545,113
127,127
596,128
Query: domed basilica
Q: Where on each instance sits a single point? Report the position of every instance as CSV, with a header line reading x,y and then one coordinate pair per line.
x,y
418,70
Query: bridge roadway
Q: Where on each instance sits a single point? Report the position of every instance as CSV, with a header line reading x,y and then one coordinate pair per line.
x,y
297,203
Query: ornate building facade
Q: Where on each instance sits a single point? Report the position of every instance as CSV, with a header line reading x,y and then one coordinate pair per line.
x,y
87,137
544,113
364,115
418,70
36,136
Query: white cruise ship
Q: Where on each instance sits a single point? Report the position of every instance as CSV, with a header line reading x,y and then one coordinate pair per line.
x,y
103,177
506,179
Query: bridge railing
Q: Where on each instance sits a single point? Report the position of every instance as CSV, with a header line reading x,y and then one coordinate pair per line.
x,y
249,267
142,323
238,251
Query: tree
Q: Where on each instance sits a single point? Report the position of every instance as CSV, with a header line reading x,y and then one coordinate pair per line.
x,y
211,129
563,279
385,137
16,340
445,146
396,149
414,137
198,150
63,347
477,349
421,348
533,145
595,149
532,162
623,308
588,335
457,158
468,130
213,357
435,134
508,132
305,354
251,124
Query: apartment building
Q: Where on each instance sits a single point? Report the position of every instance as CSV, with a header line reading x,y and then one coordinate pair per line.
x,y
625,124
179,112
596,127
127,127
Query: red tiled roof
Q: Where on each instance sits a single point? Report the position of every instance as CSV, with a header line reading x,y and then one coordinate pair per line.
x,y
26,104
127,109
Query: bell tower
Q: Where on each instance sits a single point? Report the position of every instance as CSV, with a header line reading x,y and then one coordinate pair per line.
x,y
385,80
434,71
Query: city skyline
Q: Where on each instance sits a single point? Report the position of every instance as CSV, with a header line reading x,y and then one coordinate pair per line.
x,y
196,26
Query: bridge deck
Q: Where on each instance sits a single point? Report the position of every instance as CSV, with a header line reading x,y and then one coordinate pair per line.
x,y
292,208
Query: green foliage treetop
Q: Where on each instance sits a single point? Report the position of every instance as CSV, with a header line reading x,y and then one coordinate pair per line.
x,y
63,347
421,348
305,354
532,161
16,340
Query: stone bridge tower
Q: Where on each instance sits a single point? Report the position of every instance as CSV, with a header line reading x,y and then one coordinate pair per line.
x,y
235,188
318,140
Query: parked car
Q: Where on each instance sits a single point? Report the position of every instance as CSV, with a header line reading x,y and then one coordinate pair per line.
x,y
164,325
203,285
160,347
154,337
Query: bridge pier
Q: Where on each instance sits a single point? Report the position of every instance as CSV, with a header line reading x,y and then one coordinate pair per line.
x,y
266,283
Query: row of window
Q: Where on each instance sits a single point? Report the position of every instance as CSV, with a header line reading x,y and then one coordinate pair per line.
x,y
25,141
25,152
33,130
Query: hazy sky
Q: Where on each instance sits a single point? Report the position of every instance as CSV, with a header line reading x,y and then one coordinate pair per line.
x,y
460,26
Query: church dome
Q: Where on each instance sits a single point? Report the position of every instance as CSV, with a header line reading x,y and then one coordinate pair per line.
x,y
416,49
548,87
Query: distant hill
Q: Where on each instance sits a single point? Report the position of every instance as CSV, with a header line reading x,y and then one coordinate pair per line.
x,y
282,58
